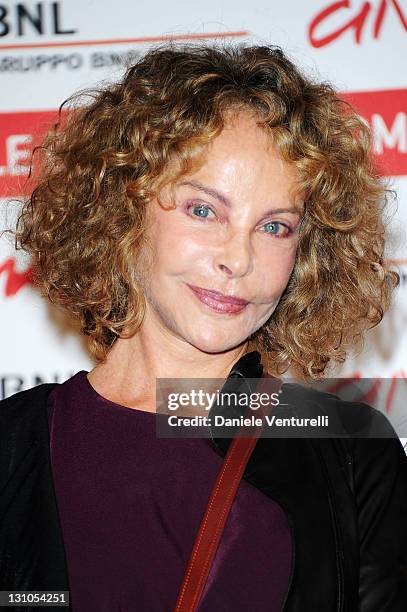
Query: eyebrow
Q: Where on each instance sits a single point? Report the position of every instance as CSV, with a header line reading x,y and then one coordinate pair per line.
x,y
224,200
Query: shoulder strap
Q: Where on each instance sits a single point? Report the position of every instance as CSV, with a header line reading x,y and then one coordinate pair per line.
x,y
216,513
220,502
213,522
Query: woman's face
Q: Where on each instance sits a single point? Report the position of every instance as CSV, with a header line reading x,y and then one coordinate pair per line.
x,y
234,230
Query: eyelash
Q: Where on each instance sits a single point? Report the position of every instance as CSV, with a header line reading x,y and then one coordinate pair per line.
x,y
288,228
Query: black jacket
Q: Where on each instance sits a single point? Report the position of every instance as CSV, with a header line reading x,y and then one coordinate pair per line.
x,y
345,499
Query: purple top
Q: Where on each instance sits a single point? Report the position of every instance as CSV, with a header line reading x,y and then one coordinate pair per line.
x,y
130,505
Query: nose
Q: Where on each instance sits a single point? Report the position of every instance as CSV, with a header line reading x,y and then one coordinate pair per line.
x,y
235,257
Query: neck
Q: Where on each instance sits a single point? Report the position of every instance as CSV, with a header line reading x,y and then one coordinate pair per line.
x,y
128,374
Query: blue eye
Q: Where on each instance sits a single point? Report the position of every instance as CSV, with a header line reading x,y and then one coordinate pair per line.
x,y
202,210
275,227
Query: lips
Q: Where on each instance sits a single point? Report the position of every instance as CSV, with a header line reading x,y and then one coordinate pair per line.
x,y
220,297
218,301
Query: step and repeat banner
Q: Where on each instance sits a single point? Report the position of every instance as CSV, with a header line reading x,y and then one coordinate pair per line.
x,y
49,50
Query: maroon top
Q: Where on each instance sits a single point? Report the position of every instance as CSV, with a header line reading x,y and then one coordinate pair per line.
x,y
130,505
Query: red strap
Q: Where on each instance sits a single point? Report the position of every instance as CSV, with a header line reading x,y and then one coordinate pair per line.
x,y
213,521
217,510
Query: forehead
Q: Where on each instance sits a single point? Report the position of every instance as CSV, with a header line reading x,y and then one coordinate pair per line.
x,y
242,128
245,158
242,160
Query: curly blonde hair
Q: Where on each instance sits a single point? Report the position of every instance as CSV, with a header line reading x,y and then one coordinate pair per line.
x,y
107,158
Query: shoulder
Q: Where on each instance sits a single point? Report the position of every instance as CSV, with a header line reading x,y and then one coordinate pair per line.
x,y
368,448
354,418
23,416
361,433
25,404
23,427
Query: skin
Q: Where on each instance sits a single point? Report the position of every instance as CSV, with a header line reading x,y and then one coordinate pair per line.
x,y
244,249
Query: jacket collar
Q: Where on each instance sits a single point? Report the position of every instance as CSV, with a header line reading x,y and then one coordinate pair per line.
x,y
248,366
243,378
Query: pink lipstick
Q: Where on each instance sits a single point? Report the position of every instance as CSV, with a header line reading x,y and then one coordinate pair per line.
x,y
218,301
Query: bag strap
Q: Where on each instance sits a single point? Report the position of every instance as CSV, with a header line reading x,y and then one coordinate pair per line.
x,y
213,522
216,513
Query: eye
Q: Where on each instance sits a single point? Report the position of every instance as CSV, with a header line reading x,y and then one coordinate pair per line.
x,y
200,210
281,230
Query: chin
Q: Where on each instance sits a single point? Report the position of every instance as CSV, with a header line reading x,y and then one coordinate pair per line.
x,y
216,345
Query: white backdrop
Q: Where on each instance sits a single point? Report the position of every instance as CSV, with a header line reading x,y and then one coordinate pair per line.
x,y
48,50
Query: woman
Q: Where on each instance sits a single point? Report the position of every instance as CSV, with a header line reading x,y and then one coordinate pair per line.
x,y
214,206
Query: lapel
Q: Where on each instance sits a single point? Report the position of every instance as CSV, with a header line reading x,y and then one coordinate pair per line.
x,y
302,475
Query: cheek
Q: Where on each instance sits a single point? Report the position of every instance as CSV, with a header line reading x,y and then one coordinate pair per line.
x,y
275,272
176,250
